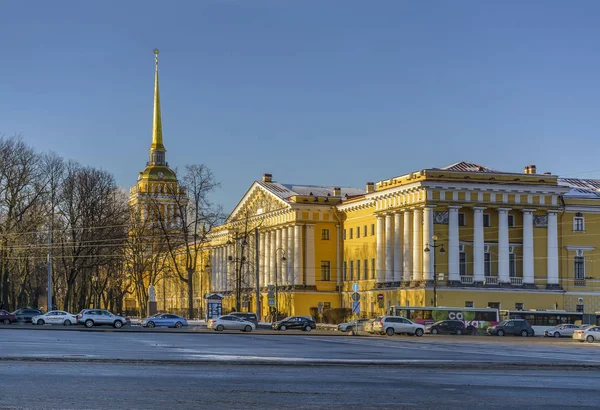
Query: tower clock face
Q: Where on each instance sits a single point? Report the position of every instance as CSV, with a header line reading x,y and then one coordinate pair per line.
x,y
161,175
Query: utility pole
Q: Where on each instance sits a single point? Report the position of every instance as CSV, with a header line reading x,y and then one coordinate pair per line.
x,y
50,233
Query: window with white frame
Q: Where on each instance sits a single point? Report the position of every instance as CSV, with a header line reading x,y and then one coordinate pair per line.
x,y
512,265
463,263
487,220
511,221
326,270
578,224
579,267
469,304
462,220
519,306
487,264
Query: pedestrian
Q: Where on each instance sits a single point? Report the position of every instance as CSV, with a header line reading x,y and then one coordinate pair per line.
x,y
1,305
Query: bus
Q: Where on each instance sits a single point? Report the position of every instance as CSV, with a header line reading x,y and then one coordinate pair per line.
x,y
476,317
541,320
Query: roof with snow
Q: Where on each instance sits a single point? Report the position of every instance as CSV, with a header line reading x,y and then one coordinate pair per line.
x,y
464,166
581,188
285,191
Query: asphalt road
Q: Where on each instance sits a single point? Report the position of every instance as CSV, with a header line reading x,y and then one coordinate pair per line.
x,y
293,347
135,386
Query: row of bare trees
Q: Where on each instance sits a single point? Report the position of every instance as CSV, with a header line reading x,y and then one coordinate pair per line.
x,y
102,251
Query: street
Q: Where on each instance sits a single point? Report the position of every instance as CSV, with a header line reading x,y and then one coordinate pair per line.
x,y
144,370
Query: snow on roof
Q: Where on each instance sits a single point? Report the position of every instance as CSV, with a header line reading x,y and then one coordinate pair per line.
x,y
465,166
581,188
284,191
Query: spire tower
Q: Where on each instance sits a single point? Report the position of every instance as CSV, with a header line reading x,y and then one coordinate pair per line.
x,y
157,149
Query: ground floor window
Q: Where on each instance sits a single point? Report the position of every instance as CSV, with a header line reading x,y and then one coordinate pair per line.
x,y
580,267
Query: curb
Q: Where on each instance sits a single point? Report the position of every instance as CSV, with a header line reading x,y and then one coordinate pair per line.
x,y
490,366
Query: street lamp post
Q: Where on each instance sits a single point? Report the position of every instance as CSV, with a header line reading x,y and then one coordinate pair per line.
x,y
442,251
277,280
237,265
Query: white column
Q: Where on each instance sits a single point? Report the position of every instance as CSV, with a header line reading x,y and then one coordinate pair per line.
x,y
338,269
398,246
417,244
290,255
221,270
228,268
379,261
213,271
552,249
278,254
263,266
298,265
407,246
503,246
428,257
284,254
453,245
311,268
528,273
267,259
389,247
215,267
272,247
478,245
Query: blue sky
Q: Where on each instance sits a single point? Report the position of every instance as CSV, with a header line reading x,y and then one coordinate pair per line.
x,y
314,92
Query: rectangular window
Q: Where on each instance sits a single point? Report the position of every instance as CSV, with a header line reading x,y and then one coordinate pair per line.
x,y
372,229
326,270
511,221
512,265
519,306
494,305
358,269
365,230
344,234
487,221
462,263
358,231
325,234
580,267
366,267
326,305
351,270
462,221
350,233
373,268
469,304
345,271
487,263
578,224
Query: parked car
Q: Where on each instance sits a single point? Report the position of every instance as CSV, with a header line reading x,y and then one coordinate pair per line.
x,y
396,324
368,326
247,316
164,319
561,331
230,322
295,322
26,314
7,318
349,326
55,317
451,327
511,327
97,317
590,334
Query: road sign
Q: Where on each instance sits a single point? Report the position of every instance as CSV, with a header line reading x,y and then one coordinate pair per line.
x,y
271,302
320,306
380,296
381,303
271,294
356,297
355,287
271,287
355,308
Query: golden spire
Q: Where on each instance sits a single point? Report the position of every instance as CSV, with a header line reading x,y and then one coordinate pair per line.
x,y
157,139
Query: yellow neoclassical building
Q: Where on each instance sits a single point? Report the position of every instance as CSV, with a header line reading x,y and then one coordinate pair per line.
x,y
460,235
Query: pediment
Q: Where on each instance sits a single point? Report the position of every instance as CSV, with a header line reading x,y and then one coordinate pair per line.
x,y
257,201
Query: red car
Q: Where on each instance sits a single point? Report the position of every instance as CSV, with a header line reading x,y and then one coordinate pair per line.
x,y
7,318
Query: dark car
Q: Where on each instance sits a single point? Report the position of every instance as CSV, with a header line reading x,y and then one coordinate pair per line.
x,y
7,318
26,314
516,327
449,327
247,316
295,322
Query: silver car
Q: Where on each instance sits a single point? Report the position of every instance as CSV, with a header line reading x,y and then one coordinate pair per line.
x,y
395,324
561,331
229,322
97,317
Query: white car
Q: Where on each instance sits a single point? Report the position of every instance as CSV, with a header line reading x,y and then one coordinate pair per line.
x,y
396,324
229,322
591,334
55,317
561,331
